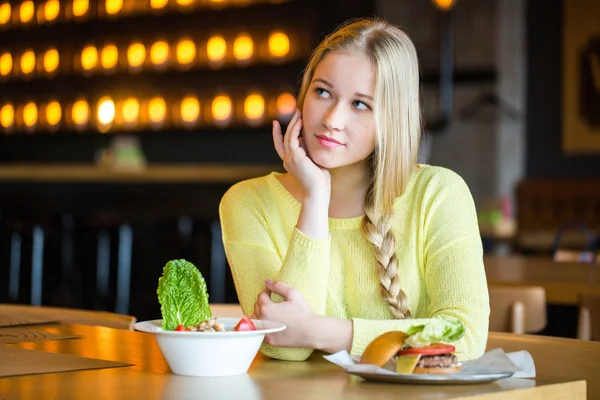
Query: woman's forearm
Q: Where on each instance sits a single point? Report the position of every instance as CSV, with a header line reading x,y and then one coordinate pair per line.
x,y
331,334
306,263
313,220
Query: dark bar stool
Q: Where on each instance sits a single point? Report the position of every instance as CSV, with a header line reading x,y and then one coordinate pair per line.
x,y
218,264
124,269
35,235
103,265
37,265
14,275
106,225
70,286
20,231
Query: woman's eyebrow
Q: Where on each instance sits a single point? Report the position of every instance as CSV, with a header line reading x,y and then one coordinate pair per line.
x,y
330,85
366,96
324,81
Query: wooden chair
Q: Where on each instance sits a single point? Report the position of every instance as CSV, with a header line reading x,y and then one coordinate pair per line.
x,y
588,327
517,309
69,316
226,310
555,357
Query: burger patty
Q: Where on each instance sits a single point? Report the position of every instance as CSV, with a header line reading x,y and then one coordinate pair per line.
x,y
438,361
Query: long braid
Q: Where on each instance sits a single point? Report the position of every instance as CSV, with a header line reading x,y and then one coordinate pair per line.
x,y
378,230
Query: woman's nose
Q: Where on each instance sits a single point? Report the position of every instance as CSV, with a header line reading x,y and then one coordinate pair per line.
x,y
333,119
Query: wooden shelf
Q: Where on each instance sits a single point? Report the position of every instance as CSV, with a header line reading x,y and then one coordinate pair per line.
x,y
169,173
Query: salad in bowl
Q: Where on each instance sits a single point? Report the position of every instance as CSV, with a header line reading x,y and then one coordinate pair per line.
x,y
192,340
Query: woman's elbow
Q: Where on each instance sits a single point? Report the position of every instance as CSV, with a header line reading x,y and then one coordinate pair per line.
x,y
473,344
286,353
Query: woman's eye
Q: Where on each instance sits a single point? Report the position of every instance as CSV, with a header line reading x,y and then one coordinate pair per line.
x,y
322,92
360,105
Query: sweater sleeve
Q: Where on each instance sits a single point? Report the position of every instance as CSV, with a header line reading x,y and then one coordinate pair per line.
x,y
453,271
253,255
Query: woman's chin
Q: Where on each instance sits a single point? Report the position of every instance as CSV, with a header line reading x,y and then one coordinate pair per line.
x,y
326,162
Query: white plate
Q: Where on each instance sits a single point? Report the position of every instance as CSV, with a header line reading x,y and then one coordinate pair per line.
x,y
431,379
262,328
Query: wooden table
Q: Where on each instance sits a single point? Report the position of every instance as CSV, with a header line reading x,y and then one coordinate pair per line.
x,y
563,281
316,378
556,357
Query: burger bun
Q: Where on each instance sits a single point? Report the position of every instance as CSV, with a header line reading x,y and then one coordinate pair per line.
x,y
383,348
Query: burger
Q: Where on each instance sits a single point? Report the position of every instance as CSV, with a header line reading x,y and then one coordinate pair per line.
x,y
422,349
437,358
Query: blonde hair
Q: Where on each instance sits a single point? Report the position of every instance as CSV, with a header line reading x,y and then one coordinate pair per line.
x,y
397,119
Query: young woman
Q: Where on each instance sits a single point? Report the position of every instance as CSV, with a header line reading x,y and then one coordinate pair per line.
x,y
356,239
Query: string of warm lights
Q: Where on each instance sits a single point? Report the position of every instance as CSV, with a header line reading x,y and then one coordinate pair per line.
x,y
127,113
241,50
27,12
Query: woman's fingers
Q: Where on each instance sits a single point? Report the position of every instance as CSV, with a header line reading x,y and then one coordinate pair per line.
x,y
278,139
291,147
295,135
293,132
263,298
289,130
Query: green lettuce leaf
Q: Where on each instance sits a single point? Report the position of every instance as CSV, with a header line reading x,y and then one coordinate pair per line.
x,y
438,330
182,295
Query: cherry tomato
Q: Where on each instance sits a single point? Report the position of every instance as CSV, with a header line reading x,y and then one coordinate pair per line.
x,y
245,324
180,328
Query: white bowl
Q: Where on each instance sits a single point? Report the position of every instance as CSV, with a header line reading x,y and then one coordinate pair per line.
x,y
210,353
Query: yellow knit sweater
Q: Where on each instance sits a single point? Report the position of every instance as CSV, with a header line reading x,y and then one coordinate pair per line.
x,y
438,247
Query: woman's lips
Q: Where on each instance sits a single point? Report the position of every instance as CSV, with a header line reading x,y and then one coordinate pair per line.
x,y
328,142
